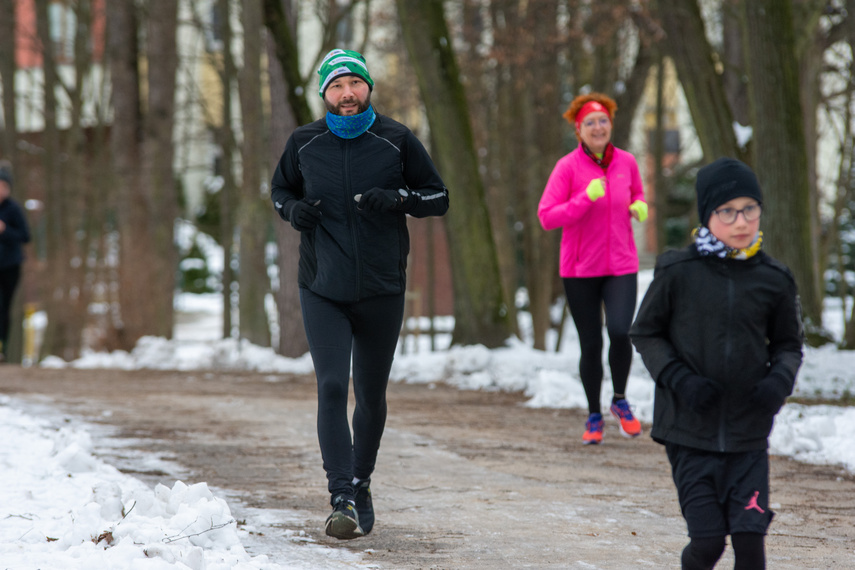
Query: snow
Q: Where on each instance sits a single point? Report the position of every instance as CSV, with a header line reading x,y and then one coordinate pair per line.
x,y
62,507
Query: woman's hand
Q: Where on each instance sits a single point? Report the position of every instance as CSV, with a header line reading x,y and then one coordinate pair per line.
x,y
638,210
595,189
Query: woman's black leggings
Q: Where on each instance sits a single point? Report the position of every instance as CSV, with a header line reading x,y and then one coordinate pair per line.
x,y
586,296
9,277
368,330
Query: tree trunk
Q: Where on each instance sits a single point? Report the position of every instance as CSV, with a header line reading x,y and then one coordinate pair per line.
x,y
7,75
125,139
686,43
660,199
69,210
142,154
158,178
292,337
55,289
780,151
841,216
254,215
224,136
287,53
845,182
501,122
543,146
633,95
734,74
812,41
79,213
481,316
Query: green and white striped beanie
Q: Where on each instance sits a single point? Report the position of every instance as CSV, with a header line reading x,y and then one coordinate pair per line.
x,y
340,62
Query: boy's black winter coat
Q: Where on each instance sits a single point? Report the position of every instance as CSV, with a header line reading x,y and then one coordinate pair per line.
x,y
733,321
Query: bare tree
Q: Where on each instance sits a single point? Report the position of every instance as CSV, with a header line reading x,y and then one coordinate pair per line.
x,y
62,334
288,55
254,217
481,315
292,340
7,75
780,150
225,138
823,25
142,150
527,116
521,63
688,47
158,177
287,79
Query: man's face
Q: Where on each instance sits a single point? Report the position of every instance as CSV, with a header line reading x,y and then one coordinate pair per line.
x,y
5,190
347,95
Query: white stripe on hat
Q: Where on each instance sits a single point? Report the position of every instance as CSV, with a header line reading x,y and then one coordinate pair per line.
x,y
331,54
347,59
335,73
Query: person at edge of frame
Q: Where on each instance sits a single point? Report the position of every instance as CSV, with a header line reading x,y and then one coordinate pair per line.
x,y
14,233
720,331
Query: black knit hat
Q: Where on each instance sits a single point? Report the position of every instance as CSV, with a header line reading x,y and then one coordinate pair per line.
x,y
722,181
6,176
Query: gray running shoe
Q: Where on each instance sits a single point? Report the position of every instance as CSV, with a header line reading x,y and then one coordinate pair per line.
x,y
343,523
364,505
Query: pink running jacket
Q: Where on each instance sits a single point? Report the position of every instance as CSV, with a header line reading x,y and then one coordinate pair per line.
x,y
596,236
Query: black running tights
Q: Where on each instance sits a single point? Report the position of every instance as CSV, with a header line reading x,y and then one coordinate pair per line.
x,y
586,296
368,330
703,553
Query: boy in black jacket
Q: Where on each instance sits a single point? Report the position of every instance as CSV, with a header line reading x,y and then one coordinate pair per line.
x,y
720,331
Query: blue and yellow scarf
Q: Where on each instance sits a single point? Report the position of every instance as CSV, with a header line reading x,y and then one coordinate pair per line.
x,y
707,244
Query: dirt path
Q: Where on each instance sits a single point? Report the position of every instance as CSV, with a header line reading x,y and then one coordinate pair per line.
x,y
464,479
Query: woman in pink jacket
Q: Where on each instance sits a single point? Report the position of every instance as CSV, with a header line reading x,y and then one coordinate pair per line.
x,y
592,194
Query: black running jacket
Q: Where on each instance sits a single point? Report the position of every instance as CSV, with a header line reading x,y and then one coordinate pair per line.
x,y
355,254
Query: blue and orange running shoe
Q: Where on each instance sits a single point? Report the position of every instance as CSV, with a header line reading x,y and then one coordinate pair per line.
x,y
629,426
593,430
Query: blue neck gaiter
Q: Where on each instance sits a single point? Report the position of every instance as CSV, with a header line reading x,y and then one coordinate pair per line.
x,y
350,126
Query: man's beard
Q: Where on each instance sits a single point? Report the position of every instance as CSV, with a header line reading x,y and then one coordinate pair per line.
x,y
360,108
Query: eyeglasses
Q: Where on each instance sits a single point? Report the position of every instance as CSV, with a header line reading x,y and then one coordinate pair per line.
x,y
602,121
729,215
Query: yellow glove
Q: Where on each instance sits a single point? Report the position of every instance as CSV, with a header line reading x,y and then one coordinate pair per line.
x,y
595,189
639,210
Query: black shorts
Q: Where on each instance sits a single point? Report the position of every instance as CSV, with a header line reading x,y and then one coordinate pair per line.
x,y
721,493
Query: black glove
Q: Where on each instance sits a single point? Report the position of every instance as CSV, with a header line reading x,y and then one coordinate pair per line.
x,y
385,200
305,215
699,393
769,394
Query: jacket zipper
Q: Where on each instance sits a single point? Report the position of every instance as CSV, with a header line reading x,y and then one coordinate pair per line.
x,y
351,218
608,224
722,422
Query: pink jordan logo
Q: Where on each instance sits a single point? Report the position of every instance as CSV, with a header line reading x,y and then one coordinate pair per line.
x,y
752,504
